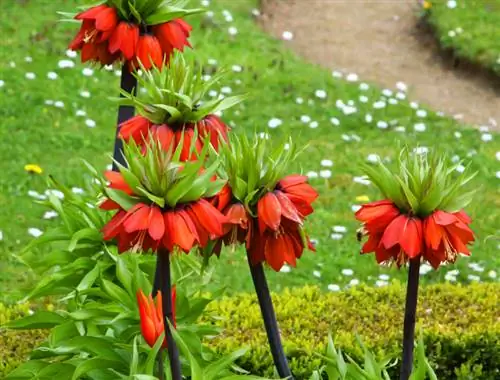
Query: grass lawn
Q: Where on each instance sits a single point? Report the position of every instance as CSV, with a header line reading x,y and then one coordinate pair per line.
x,y
469,28
56,122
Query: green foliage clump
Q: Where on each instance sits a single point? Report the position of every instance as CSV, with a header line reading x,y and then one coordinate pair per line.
x,y
470,29
15,346
460,326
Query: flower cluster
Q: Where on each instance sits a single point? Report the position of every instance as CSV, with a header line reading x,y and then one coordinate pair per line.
x,y
146,32
178,113
264,209
160,202
422,215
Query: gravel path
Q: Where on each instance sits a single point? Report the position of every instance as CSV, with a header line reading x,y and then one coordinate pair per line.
x,y
380,41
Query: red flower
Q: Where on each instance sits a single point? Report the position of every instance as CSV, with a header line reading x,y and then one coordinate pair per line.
x,y
278,240
446,235
223,198
152,324
213,125
98,25
140,129
172,35
149,227
136,128
296,188
392,235
124,39
148,52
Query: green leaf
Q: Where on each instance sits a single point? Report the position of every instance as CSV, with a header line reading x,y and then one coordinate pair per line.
x,y
117,294
168,13
85,234
39,320
96,363
124,200
214,370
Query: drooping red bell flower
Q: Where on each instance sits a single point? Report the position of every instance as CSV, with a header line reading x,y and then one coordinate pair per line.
x,y
124,40
120,32
151,314
172,35
278,238
148,52
446,235
266,209
98,25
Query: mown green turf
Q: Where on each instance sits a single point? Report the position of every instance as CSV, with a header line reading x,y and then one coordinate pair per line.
x,y
470,29
56,139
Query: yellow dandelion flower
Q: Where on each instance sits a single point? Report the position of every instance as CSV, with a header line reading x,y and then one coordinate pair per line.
x,y
427,5
33,169
362,198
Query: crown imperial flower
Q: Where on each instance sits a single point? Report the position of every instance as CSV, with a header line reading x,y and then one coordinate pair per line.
x,y
161,202
422,215
173,109
267,208
146,31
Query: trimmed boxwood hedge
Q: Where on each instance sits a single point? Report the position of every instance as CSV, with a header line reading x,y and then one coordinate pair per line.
x,y
461,326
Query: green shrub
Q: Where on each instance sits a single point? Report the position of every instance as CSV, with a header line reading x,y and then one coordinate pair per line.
x,y
470,30
460,324
16,345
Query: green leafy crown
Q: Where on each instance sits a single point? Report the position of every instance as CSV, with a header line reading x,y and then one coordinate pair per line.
x,y
423,183
254,167
156,176
174,94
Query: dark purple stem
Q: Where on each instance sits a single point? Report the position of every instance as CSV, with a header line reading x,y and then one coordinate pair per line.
x,y
410,318
128,83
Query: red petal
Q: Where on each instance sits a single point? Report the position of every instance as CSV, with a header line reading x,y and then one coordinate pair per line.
x,y
136,128
156,224
91,13
463,217
209,217
117,181
106,19
138,218
89,52
303,208
412,239
168,237
149,51
114,226
292,180
288,209
184,231
393,232
164,135
108,204
444,218
433,234
274,251
269,212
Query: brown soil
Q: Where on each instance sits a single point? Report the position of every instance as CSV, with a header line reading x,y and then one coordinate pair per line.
x,y
382,42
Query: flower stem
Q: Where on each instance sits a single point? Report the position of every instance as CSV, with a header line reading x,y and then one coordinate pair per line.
x,y
127,83
163,265
269,317
410,317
